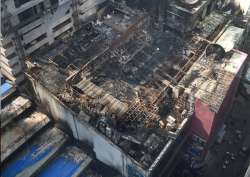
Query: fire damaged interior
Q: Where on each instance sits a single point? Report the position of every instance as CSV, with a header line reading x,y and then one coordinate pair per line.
x,y
120,77
133,88
129,80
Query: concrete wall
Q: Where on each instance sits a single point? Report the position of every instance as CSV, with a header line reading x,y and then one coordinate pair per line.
x,y
105,151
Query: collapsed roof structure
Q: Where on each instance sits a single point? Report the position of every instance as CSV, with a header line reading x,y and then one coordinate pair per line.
x,y
128,90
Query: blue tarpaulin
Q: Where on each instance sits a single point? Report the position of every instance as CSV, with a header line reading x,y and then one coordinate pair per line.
x,y
30,157
5,88
62,166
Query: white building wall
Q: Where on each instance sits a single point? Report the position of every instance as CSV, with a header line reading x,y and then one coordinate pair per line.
x,y
105,151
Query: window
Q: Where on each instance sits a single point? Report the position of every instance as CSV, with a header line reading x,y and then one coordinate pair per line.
x,y
41,6
8,45
57,27
64,34
12,55
67,12
54,3
18,3
40,38
23,16
35,27
43,36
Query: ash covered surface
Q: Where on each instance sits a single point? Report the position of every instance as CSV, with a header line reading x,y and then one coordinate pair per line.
x,y
123,79
50,76
121,90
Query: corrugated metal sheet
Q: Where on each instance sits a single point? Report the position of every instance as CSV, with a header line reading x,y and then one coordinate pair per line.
x,y
71,162
33,156
20,132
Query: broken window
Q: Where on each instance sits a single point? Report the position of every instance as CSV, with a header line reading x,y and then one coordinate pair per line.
x,y
54,3
23,16
8,45
31,14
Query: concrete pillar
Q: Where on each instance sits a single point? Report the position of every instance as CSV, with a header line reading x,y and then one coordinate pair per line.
x,y
38,9
14,20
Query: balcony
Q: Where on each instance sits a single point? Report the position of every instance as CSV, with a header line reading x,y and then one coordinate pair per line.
x,y
36,46
63,29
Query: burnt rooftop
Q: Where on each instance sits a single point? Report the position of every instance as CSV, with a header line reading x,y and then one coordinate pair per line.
x,y
121,78
93,39
211,76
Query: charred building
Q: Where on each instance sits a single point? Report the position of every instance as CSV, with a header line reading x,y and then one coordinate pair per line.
x,y
102,86
132,88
